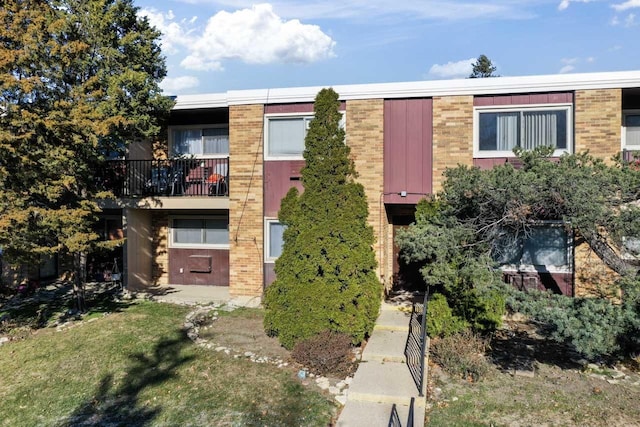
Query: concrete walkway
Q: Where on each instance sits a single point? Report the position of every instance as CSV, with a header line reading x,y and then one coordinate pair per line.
x,y
194,294
383,377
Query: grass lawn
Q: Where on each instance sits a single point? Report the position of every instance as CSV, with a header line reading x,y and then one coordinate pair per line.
x,y
560,393
136,367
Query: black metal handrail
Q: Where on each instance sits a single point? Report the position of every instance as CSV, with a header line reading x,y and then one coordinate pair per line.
x,y
394,418
165,177
415,348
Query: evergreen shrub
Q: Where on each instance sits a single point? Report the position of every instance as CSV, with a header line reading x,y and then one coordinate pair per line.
x,y
326,275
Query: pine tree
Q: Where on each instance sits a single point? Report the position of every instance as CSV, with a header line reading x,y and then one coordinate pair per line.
x,y
325,277
483,67
76,77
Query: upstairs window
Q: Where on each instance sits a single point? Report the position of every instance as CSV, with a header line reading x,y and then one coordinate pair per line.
x,y
544,246
200,142
499,131
631,131
285,136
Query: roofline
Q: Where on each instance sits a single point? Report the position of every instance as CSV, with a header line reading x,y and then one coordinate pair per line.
x,y
418,89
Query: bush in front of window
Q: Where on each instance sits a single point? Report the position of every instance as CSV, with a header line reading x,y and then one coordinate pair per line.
x,y
325,275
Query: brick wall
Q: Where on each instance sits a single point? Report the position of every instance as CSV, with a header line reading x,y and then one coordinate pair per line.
x,y
365,137
160,248
593,277
452,135
246,222
598,117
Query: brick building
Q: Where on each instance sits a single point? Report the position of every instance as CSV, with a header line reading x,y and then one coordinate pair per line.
x,y
205,210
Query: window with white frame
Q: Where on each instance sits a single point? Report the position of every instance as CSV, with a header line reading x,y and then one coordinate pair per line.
x,y
200,232
285,134
547,245
498,131
200,141
631,131
274,240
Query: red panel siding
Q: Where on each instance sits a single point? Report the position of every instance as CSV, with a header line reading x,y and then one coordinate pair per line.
x,y
194,264
559,283
306,107
408,132
524,99
279,177
269,273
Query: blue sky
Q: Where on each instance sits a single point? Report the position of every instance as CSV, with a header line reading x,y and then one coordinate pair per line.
x,y
221,45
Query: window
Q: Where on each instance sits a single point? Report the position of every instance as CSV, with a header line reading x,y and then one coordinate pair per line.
x,y
545,245
631,131
190,232
274,239
499,131
285,135
200,142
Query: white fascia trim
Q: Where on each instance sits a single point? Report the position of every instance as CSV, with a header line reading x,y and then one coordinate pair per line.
x,y
427,88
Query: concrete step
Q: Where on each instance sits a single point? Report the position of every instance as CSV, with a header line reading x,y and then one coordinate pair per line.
x,y
393,320
386,346
382,382
369,414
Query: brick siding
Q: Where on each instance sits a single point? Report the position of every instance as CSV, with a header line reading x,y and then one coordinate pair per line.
x,y
246,221
452,135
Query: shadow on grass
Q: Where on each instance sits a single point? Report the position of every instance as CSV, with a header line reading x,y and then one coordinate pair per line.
x,y
56,302
121,406
519,349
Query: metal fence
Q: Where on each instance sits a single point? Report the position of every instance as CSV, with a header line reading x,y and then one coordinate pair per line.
x,y
172,177
416,343
394,418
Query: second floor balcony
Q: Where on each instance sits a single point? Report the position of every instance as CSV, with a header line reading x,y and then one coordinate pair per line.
x,y
166,178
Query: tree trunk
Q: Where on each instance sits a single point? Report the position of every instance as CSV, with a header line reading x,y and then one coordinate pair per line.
x,y
605,252
80,263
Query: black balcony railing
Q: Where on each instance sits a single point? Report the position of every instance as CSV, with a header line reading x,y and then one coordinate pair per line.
x,y
174,177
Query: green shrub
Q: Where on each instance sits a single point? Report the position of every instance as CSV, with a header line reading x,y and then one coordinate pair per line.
x,y
462,355
597,328
440,319
328,353
326,275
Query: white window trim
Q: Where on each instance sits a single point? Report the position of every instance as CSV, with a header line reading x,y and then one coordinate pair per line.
x,y
267,237
270,116
530,268
187,127
172,244
623,131
484,154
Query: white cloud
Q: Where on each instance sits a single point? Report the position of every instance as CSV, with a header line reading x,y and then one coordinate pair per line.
x,y
174,34
453,69
567,69
629,4
630,20
257,36
565,3
174,85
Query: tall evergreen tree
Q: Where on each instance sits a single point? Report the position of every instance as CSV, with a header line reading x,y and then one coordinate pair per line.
x,y
483,67
76,78
325,277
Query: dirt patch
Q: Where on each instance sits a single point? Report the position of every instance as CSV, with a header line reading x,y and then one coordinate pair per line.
x,y
535,382
242,331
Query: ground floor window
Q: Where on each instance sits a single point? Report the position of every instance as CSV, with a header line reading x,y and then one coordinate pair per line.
x,y
547,246
274,242
199,232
